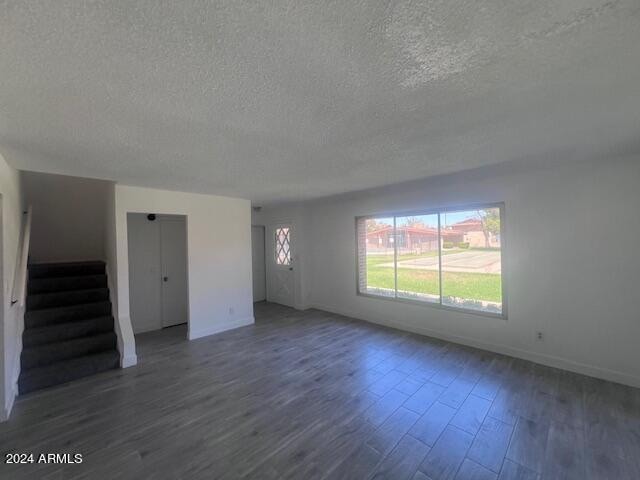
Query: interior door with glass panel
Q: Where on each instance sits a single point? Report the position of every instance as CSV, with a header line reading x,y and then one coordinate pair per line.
x,y
282,284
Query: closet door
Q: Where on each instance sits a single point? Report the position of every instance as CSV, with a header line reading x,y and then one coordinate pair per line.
x,y
145,286
173,260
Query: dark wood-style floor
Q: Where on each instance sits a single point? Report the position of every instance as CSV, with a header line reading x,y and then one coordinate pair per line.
x,y
314,395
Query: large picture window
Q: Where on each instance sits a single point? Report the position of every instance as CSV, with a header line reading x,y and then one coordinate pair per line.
x,y
451,257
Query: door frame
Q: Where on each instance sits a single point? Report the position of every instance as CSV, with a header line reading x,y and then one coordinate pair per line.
x,y
128,264
264,257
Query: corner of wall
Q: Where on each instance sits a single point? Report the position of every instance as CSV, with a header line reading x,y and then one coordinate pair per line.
x,y
122,324
6,410
126,339
16,360
10,400
10,322
127,361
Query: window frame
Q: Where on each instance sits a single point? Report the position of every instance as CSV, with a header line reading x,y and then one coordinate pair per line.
x,y
439,211
275,245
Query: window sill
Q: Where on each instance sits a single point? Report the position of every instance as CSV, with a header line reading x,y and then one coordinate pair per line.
x,y
440,306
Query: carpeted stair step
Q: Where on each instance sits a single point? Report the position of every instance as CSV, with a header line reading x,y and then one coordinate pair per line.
x,y
42,355
72,313
62,284
72,269
66,331
68,325
62,299
64,371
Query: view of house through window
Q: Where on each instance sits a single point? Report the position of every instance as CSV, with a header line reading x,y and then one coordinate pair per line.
x,y
418,263
379,248
453,258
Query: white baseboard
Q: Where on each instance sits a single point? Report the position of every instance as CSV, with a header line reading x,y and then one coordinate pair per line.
x,y
543,359
221,327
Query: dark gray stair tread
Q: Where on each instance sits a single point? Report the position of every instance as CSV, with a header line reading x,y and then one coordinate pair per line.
x,y
67,269
64,371
41,355
66,331
62,299
62,284
71,313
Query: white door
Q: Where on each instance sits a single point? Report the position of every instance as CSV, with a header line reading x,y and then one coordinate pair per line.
x,y
282,285
144,273
173,261
259,274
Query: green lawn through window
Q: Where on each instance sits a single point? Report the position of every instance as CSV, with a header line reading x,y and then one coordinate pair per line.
x,y
473,286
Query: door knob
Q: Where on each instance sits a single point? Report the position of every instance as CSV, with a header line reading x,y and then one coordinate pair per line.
x,y
165,279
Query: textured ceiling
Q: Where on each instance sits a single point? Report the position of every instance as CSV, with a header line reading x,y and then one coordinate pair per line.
x,y
288,100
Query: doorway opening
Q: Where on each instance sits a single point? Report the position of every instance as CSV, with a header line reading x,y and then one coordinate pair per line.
x,y
158,271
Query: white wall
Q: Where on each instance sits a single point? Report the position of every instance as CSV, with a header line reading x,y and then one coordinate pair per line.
x,y
218,249
572,265
11,330
124,332
68,217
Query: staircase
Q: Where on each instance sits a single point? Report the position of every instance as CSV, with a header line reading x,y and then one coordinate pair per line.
x,y
68,325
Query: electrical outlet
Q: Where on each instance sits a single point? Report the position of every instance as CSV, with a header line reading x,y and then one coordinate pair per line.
x,y
231,311
539,336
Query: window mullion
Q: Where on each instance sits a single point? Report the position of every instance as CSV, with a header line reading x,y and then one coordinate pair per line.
x,y
439,258
395,259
